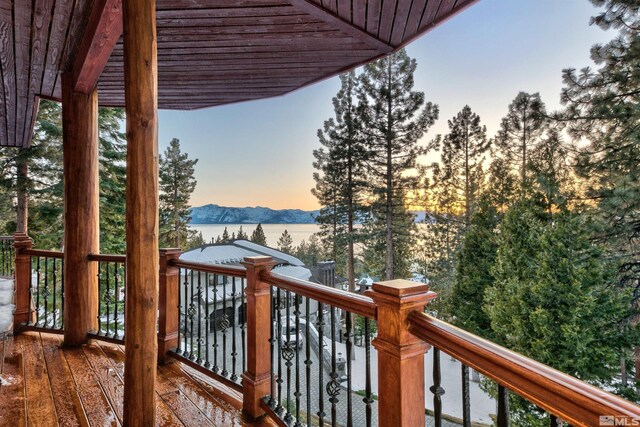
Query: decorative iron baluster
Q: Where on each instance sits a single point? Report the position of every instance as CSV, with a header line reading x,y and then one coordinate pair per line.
x,y
99,296
116,277
216,369
348,337
333,386
243,324
272,337
107,296
466,399
179,349
55,279
288,354
279,340
37,290
503,407
207,325
234,350
307,360
297,393
224,325
436,389
192,313
187,350
321,414
368,398
45,291
553,421
199,341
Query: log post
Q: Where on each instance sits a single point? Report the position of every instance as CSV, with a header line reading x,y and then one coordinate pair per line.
x,y
81,211
256,379
400,353
24,312
168,310
141,312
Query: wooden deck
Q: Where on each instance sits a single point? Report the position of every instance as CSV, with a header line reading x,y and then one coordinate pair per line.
x,y
49,385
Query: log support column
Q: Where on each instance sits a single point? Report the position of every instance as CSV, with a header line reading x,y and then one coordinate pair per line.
x,y
400,353
24,312
141,104
255,380
81,211
168,310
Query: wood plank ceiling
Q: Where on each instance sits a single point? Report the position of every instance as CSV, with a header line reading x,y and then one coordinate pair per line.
x,y
210,52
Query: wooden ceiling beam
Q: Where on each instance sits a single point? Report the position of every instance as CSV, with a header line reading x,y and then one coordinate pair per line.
x,y
103,31
322,14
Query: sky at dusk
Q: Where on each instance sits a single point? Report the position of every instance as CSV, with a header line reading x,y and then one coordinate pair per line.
x,y
260,153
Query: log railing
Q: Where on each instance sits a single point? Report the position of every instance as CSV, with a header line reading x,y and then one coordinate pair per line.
x,y
562,396
289,345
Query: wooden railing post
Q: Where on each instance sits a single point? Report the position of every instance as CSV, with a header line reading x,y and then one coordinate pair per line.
x,y
24,311
255,380
400,354
168,310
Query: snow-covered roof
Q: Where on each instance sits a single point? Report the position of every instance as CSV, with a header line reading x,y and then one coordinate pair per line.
x,y
297,272
234,252
265,250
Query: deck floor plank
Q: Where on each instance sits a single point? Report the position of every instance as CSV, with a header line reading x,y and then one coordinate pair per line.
x,y
41,410
12,402
96,405
109,379
67,401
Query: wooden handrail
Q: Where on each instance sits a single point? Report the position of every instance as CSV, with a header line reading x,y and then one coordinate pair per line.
x,y
566,397
227,270
42,253
107,258
355,303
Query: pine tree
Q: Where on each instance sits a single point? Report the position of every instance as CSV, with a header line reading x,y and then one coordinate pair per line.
x,y
463,154
225,236
242,235
394,117
603,109
340,176
554,298
285,242
520,131
258,236
176,185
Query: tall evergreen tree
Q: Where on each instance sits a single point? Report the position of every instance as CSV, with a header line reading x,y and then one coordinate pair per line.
x,y
394,117
258,236
463,155
285,242
520,131
242,235
176,185
340,176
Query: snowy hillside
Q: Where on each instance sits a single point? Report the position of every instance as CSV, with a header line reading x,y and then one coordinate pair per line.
x,y
214,214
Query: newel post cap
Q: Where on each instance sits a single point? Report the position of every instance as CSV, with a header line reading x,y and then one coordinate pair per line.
x,y
22,241
258,261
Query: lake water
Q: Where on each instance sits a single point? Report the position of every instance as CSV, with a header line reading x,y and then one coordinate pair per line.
x,y
298,232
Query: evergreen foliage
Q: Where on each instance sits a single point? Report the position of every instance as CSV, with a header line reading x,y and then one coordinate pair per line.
x,y
258,236
176,185
242,235
393,118
285,242
340,179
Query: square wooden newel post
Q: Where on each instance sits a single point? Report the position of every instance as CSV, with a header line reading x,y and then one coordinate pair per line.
x,y
24,312
168,310
400,353
256,379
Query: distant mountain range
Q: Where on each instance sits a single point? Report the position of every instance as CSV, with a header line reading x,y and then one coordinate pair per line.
x,y
214,214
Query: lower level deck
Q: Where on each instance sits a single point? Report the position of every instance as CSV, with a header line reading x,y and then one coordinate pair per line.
x,y
45,384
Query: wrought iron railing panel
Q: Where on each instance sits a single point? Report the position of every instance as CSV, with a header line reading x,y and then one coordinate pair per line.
x,y
47,290
320,374
7,256
111,296
212,326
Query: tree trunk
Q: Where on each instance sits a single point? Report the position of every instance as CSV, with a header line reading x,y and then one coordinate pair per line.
x,y
22,220
389,183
